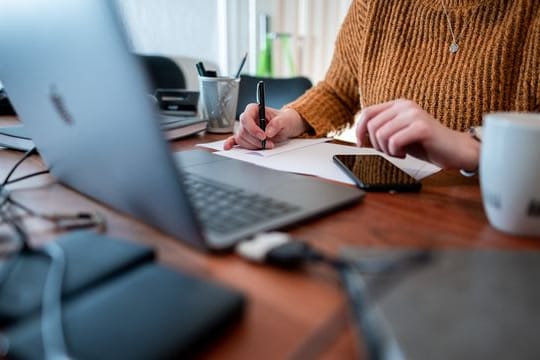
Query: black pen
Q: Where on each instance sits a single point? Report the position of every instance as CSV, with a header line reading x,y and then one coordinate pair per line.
x,y
241,66
200,68
262,112
203,72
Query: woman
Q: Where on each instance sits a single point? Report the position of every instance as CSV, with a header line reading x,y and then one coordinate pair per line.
x,y
422,72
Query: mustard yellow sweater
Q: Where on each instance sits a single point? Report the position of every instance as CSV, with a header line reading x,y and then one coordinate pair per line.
x,y
390,49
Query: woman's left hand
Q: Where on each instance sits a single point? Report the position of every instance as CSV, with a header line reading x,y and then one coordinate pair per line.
x,y
401,127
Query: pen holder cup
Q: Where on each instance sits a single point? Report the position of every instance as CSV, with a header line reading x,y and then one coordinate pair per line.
x,y
217,102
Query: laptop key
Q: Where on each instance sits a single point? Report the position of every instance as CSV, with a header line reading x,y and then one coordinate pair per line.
x,y
223,208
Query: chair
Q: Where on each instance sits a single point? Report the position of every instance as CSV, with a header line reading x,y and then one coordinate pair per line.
x,y
163,72
279,91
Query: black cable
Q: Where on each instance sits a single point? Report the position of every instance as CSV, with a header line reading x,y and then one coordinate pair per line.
x,y
19,162
51,310
21,206
372,330
22,239
277,249
296,253
72,221
7,216
26,177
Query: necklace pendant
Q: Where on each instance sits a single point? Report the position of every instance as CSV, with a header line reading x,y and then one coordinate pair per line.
x,y
454,47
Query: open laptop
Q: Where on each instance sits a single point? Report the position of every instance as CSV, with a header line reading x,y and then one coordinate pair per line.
x,y
73,81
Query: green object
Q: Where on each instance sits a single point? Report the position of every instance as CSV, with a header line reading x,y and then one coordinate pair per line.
x,y
286,49
264,66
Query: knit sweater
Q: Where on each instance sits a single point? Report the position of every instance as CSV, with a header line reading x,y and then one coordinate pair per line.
x,y
390,49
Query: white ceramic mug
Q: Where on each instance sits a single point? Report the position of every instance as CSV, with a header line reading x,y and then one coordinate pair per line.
x,y
510,171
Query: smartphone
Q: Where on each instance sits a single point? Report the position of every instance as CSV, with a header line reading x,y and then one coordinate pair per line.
x,y
375,173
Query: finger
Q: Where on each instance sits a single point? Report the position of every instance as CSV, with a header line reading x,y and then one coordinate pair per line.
x,y
388,129
251,110
275,126
279,132
249,121
285,124
388,123
244,133
229,143
376,122
248,141
388,113
409,136
366,115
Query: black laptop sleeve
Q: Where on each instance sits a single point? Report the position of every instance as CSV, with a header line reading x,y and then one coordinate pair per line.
x,y
90,260
149,313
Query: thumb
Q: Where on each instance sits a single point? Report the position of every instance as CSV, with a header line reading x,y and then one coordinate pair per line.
x,y
275,126
287,123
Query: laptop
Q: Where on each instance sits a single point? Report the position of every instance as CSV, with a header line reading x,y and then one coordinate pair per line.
x,y
82,94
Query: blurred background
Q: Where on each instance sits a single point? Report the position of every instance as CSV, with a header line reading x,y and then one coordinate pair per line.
x,y
282,37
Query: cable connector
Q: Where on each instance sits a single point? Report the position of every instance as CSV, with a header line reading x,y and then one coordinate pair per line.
x,y
278,249
77,220
258,248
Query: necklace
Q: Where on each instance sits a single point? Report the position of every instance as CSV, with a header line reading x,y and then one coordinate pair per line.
x,y
454,47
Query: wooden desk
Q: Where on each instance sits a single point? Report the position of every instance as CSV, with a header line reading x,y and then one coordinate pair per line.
x,y
293,314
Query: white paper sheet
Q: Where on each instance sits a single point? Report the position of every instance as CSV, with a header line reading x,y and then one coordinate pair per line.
x,y
281,147
314,157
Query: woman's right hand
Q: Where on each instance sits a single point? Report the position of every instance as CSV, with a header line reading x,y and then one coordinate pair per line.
x,y
280,126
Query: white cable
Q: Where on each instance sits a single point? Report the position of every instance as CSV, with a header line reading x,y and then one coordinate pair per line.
x,y
52,332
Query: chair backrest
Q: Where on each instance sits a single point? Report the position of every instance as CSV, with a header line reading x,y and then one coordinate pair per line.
x,y
278,91
163,72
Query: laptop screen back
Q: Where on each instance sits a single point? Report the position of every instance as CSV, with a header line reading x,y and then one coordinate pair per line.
x,y
83,97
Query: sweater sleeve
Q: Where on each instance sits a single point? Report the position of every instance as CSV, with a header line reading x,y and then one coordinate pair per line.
x,y
536,59
529,74
333,102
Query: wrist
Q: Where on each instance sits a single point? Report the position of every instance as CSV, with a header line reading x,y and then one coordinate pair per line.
x,y
470,153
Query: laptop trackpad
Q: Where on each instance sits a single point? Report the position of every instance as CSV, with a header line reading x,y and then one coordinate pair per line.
x,y
305,191
237,173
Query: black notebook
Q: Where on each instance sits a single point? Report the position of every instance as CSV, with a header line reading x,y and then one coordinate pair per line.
x,y
477,304
149,313
90,260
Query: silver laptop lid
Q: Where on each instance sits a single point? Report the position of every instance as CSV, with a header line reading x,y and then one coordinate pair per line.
x,y
69,74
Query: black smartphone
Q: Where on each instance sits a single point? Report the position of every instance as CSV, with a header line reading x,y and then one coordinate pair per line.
x,y
375,173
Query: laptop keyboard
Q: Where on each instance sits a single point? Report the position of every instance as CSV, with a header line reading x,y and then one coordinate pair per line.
x,y
223,208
